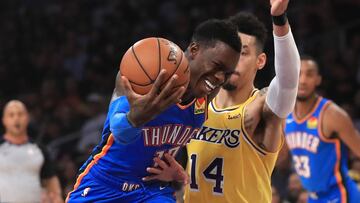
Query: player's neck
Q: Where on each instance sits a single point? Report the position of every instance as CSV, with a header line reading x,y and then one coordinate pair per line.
x,y
187,98
226,98
16,139
303,107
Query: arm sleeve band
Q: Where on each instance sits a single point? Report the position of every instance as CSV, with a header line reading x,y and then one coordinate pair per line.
x,y
122,130
283,88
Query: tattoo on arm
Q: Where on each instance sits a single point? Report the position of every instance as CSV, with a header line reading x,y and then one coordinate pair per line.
x,y
248,122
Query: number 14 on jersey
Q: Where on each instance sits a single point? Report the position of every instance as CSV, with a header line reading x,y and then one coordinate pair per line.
x,y
213,173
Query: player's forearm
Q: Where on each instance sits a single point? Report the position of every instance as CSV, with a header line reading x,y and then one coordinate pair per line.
x,y
122,130
181,158
287,60
283,88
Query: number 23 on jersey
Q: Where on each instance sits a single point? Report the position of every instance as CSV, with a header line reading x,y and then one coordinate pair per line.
x,y
301,164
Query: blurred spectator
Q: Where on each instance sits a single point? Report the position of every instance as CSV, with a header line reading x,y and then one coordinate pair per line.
x,y
92,128
281,173
294,188
303,197
275,195
68,170
58,52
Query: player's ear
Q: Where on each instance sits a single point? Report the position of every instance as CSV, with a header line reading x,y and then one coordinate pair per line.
x,y
193,49
261,61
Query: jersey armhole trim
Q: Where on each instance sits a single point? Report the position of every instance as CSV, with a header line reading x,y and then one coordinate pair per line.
x,y
320,126
338,174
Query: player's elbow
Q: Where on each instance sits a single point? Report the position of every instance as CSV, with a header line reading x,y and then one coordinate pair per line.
x,y
281,100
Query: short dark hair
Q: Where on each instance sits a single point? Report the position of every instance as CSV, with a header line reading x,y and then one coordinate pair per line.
x,y
210,31
249,24
305,57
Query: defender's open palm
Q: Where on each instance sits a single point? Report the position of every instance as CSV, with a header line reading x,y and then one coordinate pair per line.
x,y
278,7
144,108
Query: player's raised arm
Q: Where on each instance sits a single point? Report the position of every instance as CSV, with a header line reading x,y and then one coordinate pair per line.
x,y
282,91
337,121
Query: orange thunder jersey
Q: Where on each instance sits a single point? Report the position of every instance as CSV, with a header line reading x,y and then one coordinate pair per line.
x,y
225,164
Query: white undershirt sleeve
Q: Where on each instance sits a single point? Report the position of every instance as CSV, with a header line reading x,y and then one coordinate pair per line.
x,y
283,88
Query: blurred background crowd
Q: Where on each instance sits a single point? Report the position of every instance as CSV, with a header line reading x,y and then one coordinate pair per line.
x,y
61,57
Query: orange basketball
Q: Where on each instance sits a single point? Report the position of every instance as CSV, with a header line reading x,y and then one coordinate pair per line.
x,y
142,63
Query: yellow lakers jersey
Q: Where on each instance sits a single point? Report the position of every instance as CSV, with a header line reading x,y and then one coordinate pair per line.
x,y
225,164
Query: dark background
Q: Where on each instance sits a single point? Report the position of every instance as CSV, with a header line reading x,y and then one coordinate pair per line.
x,y
61,57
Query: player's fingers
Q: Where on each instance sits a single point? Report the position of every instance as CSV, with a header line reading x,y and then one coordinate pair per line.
x,y
171,160
126,86
157,84
174,97
148,178
154,170
186,179
170,84
161,163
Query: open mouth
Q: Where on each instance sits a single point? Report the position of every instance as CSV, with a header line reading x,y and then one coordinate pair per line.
x,y
17,125
209,86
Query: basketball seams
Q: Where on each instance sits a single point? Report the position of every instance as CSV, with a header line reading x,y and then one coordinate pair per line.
x,y
142,85
132,82
159,48
134,65
133,52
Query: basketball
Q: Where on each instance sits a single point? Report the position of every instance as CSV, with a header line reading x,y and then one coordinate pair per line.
x,y
142,63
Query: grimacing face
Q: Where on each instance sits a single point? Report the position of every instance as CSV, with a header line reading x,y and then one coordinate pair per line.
x,y
211,67
247,65
15,118
309,80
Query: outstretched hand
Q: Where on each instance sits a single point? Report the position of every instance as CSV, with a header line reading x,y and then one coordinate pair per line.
x,y
278,7
144,108
167,172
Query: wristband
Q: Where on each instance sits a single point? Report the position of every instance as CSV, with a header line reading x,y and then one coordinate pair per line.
x,y
279,20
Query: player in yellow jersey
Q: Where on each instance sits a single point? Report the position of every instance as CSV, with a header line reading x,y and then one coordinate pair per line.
x,y
232,157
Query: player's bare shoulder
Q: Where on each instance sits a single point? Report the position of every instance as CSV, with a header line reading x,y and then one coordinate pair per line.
x,y
333,117
332,110
259,101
